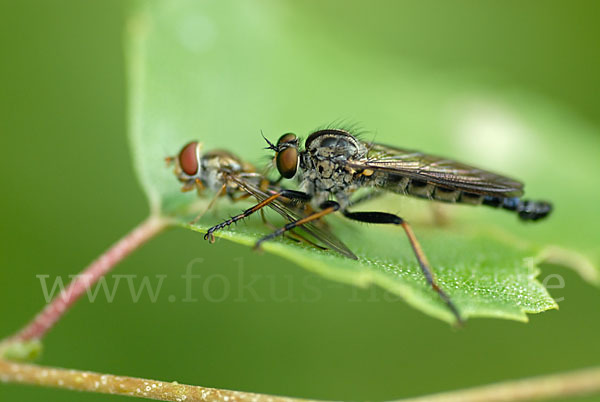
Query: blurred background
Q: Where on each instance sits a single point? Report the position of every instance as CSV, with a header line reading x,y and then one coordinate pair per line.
x,y
69,191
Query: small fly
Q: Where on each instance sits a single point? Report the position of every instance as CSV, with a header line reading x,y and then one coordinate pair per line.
x,y
225,174
334,164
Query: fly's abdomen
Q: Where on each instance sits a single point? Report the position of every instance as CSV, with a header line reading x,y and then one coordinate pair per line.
x,y
423,189
526,209
431,191
446,194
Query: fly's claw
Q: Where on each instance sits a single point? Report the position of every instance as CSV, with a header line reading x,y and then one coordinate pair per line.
x,y
210,236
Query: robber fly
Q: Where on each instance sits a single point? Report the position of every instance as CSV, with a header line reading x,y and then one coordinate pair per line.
x,y
334,164
225,174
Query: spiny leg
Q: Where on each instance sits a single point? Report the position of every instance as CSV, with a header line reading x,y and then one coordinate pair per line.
x,y
291,194
327,207
385,218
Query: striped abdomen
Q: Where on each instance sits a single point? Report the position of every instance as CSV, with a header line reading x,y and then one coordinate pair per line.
x,y
527,210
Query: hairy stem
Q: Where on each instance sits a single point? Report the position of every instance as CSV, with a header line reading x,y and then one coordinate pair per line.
x,y
119,385
53,311
575,383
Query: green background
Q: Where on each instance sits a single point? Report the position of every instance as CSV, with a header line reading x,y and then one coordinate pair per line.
x,y
68,191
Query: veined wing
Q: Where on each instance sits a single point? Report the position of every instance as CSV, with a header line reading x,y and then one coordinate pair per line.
x,y
292,212
437,170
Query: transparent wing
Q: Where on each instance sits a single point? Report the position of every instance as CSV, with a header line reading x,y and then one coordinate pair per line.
x,y
293,212
434,169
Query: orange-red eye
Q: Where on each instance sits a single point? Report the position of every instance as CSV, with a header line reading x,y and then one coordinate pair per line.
x,y
287,162
289,137
188,160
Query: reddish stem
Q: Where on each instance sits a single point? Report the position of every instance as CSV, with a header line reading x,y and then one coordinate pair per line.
x,y
46,319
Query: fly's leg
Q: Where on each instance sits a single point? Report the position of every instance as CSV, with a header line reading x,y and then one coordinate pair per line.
x,y
297,237
271,226
291,194
219,194
194,185
292,235
241,197
302,239
385,218
327,207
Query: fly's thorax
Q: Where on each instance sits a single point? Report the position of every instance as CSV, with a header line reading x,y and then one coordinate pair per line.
x,y
215,166
325,158
326,175
334,144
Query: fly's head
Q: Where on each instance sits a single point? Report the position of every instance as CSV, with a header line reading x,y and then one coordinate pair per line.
x,y
191,167
188,165
217,166
287,154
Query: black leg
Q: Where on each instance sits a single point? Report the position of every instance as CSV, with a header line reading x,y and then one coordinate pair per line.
x,y
385,218
291,194
327,207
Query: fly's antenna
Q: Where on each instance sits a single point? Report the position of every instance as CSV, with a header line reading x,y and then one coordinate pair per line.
x,y
269,166
271,146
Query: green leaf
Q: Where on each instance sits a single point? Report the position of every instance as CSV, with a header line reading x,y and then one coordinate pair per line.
x,y
219,72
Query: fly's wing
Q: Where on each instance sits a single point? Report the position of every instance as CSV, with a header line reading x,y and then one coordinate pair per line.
x,y
292,212
437,170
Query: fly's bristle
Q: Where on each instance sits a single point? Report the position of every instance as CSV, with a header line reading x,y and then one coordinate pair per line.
x,y
345,124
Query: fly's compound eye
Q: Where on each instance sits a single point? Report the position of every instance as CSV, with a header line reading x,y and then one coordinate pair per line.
x,y
188,160
287,162
286,155
289,138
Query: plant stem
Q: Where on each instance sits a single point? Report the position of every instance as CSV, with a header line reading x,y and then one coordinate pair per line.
x,y
118,385
53,311
575,383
